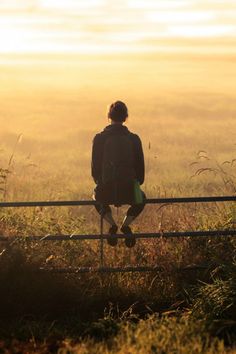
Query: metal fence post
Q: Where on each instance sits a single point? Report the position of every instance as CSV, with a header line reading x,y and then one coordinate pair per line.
x,y
234,216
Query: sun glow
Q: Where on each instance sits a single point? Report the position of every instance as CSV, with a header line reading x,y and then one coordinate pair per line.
x,y
101,26
69,4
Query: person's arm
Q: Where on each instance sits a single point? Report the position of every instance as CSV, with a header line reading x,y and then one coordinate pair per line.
x,y
139,160
96,163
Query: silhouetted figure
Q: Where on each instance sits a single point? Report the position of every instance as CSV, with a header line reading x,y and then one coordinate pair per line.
x,y
118,170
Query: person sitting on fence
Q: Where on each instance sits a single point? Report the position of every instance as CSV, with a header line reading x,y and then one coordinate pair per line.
x,y
118,171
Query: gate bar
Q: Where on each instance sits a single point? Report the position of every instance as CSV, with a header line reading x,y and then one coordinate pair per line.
x,y
128,269
122,236
101,242
102,269
92,202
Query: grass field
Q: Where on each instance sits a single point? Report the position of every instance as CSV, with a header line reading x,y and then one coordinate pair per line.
x,y
184,111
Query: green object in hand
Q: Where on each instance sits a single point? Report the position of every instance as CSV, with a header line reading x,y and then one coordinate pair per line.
x,y
138,195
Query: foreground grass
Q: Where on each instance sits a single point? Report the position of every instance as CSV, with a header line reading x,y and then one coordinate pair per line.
x,y
152,335
169,312
155,335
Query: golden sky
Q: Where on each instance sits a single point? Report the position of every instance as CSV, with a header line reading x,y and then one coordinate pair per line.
x,y
117,26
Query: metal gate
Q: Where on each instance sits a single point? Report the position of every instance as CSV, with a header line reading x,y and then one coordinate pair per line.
x,y
102,268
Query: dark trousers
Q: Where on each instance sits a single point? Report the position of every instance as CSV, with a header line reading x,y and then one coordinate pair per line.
x,y
134,209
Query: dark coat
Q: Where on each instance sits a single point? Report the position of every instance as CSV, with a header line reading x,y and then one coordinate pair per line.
x,y
105,193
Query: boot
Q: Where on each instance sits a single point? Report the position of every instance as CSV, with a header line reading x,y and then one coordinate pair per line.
x,y
112,241
130,240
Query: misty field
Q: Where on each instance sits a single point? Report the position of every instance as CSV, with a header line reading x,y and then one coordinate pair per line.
x,y
49,115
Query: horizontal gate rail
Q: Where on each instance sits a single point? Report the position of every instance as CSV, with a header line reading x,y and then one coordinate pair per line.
x,y
139,269
92,202
102,269
101,237
208,233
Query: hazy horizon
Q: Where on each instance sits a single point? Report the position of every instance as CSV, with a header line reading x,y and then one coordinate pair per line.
x,y
109,27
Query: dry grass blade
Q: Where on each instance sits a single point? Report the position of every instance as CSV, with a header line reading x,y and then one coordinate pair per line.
x,y
201,152
233,161
203,170
18,141
194,163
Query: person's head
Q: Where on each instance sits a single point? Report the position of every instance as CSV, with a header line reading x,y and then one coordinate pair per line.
x,y
118,112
